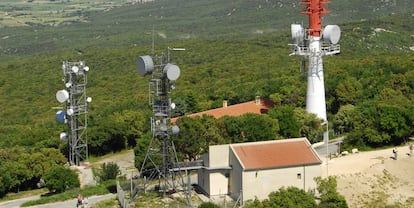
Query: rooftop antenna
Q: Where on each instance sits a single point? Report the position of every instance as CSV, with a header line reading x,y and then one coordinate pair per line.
x,y
161,161
75,110
313,43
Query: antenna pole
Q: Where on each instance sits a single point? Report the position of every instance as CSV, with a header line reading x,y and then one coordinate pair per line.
x,y
312,44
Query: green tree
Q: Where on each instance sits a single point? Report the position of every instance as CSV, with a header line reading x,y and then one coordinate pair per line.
x,y
291,197
191,140
212,132
59,178
348,91
394,123
141,149
288,123
310,124
258,127
233,129
208,205
107,171
330,198
344,120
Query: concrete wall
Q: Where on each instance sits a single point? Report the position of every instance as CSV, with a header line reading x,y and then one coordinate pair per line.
x,y
214,182
259,183
235,177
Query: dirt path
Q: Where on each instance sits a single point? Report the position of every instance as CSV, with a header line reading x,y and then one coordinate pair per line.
x,y
125,161
374,178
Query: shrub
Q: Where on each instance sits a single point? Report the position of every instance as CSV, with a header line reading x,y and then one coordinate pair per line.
x,y
107,171
59,178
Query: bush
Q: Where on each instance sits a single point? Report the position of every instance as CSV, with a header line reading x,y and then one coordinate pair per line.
x,y
208,205
59,178
108,171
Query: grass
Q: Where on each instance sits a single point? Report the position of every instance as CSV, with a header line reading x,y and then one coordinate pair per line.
x,y
21,13
106,203
93,159
23,194
104,188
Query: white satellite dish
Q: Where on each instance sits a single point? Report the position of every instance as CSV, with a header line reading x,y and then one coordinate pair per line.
x,y
75,69
70,111
63,136
62,96
145,65
86,68
175,129
332,34
88,99
69,84
173,106
298,33
172,71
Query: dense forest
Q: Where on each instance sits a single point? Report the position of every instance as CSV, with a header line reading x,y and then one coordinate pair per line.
x,y
369,92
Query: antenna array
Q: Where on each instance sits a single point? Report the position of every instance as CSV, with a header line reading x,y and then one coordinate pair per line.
x,y
76,109
161,160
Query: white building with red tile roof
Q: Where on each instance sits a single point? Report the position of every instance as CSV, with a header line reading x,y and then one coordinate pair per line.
x,y
255,169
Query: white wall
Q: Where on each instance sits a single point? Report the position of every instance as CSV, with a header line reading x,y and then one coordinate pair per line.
x,y
259,183
214,182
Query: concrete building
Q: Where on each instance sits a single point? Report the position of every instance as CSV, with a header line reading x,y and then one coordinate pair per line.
x,y
248,170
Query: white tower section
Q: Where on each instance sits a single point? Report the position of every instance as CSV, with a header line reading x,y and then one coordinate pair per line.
x,y
314,43
315,96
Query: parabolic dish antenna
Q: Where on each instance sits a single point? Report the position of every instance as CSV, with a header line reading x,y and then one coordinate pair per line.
x,y
145,65
70,111
172,71
62,96
69,84
61,116
298,33
63,136
75,69
332,33
175,129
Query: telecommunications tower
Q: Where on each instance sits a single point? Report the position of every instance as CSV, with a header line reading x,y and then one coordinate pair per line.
x,y
313,43
161,160
76,108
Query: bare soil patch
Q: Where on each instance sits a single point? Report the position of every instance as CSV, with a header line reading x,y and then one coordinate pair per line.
x,y
374,178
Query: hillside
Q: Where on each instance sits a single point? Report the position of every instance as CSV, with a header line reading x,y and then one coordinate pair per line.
x,y
235,50
240,66
113,25
225,60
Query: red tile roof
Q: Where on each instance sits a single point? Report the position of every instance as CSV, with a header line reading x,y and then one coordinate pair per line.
x,y
235,110
276,154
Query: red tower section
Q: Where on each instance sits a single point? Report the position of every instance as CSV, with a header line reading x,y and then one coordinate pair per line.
x,y
314,9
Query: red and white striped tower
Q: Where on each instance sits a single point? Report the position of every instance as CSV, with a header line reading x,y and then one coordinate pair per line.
x,y
314,43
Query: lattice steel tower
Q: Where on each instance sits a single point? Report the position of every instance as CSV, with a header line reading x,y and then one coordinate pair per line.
x,y
161,158
76,109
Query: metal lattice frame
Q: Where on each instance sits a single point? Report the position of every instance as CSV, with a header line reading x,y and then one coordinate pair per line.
x,y
161,151
75,80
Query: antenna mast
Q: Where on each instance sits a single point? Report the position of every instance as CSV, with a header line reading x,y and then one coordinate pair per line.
x,y
76,109
313,43
161,161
